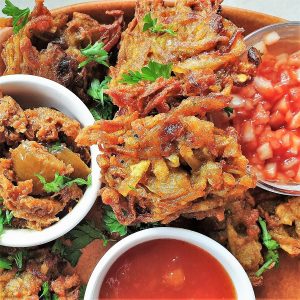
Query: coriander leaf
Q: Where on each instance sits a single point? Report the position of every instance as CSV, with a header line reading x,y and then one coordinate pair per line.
x,y
82,292
94,53
104,109
272,256
19,16
5,219
151,24
56,147
228,110
61,182
97,90
1,199
266,237
46,294
18,258
150,72
5,264
55,297
111,224
79,237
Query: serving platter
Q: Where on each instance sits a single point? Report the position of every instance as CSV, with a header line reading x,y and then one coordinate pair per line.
x,y
278,284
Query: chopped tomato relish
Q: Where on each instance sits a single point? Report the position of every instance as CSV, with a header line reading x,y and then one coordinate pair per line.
x,y
267,118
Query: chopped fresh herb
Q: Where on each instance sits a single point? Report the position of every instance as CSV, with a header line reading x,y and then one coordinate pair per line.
x,y
104,109
151,24
111,223
19,16
94,53
82,292
80,237
151,72
272,256
5,219
55,297
5,264
46,294
97,90
228,110
61,182
19,257
1,199
56,147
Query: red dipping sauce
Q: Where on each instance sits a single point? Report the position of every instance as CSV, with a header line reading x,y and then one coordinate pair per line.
x,y
267,115
167,268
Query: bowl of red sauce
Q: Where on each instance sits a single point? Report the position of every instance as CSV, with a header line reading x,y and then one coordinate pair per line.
x,y
168,263
267,111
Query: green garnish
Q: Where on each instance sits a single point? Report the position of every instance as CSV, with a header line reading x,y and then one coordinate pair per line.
x,y
228,110
94,53
61,182
56,147
151,24
132,187
18,258
5,219
19,16
80,237
5,264
46,294
272,256
151,72
104,109
111,223
82,292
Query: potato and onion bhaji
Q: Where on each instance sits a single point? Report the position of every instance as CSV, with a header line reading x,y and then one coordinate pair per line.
x,y
282,214
30,150
177,163
37,271
204,51
49,46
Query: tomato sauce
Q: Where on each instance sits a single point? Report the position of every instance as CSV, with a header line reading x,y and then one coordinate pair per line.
x,y
167,268
267,115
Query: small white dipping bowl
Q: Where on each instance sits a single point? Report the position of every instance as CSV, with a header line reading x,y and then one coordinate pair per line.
x,y
239,278
32,91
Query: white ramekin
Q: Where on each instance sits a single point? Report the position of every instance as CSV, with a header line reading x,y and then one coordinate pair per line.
x,y
32,91
240,280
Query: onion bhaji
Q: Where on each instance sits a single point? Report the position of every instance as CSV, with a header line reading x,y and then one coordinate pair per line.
x,y
26,140
160,167
40,266
204,52
49,46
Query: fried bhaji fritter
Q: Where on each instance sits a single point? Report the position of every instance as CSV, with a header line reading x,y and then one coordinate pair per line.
x,y
204,52
39,266
24,156
49,46
159,167
13,121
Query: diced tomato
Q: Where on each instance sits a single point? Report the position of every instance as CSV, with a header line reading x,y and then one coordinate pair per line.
x,y
267,118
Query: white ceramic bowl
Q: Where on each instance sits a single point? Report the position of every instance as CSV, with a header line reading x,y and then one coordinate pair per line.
x,y
33,91
240,280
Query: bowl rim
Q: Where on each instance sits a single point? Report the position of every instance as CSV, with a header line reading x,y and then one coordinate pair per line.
x,y
289,189
270,27
28,237
238,276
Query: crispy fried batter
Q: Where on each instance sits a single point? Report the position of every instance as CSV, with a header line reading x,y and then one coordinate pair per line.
x,y
45,124
204,53
243,236
40,266
159,167
13,121
37,212
50,46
